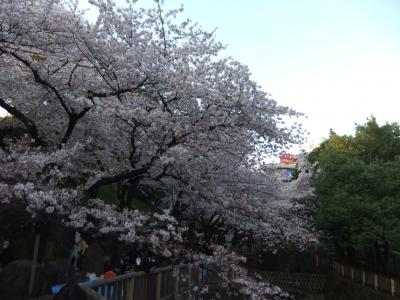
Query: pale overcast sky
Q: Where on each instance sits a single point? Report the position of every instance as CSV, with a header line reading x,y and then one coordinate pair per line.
x,y
336,61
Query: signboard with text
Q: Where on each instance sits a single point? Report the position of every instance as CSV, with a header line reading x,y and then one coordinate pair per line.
x,y
287,159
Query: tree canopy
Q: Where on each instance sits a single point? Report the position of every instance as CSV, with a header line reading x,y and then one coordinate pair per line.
x,y
357,187
136,100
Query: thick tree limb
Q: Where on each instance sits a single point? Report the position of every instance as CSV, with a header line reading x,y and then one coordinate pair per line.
x,y
117,92
40,80
92,190
73,119
29,124
72,115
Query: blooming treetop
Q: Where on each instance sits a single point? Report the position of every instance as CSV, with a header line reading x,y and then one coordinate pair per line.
x,y
134,99
148,101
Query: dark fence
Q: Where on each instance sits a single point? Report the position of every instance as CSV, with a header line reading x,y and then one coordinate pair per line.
x,y
369,279
313,283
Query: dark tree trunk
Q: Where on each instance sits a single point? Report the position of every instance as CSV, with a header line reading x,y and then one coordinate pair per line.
x,y
34,261
125,192
43,251
386,257
351,252
378,258
339,251
371,261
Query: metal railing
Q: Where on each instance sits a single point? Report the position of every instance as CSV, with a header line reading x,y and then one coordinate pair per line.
x,y
160,284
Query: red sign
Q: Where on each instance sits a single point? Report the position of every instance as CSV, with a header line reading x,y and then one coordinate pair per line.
x,y
287,159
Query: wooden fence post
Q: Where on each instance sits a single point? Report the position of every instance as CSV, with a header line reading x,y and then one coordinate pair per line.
x,y
363,278
175,274
352,273
392,286
158,286
130,288
376,281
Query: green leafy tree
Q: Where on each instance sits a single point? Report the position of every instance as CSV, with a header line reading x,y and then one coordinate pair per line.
x,y
377,143
358,191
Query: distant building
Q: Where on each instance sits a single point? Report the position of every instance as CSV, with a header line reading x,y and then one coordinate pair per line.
x,y
286,167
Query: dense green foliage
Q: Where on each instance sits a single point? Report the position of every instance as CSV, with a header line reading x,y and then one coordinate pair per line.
x,y
358,190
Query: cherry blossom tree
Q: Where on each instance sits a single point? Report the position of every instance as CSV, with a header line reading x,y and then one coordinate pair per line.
x,y
135,99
